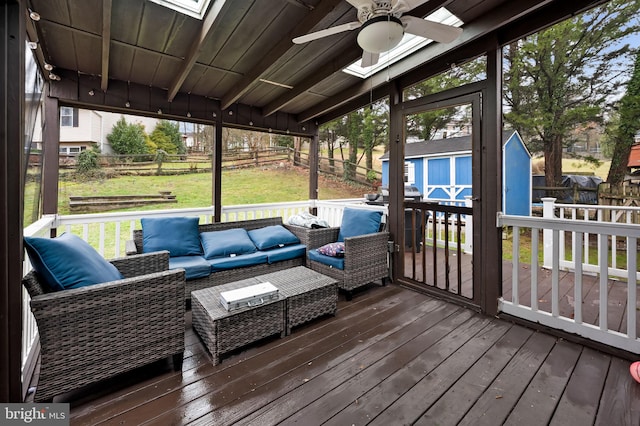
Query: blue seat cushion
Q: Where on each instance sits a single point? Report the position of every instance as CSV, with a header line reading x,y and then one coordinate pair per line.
x,y
178,235
68,261
272,236
286,253
357,222
226,243
336,262
194,266
226,263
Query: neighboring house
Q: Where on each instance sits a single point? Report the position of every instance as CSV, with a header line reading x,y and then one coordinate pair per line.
x,y
81,129
441,170
633,164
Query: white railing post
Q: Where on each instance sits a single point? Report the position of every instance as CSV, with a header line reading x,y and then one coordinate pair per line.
x,y
468,228
548,207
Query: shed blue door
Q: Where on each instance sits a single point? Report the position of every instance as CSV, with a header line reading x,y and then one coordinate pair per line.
x,y
517,177
463,177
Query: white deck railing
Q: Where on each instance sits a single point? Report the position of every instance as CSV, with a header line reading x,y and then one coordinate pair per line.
x,y
592,240
554,230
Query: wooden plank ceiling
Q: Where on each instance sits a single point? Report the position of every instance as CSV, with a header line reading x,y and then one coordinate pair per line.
x,y
120,48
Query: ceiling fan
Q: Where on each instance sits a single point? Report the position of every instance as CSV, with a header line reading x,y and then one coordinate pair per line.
x,y
382,26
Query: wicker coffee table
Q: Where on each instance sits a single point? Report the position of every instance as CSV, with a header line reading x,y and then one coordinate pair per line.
x,y
223,331
303,295
308,293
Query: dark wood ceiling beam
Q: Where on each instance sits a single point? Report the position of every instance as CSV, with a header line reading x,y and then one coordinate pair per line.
x,y
341,61
549,15
489,22
106,43
279,49
194,51
75,90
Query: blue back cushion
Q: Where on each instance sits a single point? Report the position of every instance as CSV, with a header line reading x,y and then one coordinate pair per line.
x,y
178,235
226,243
359,222
68,262
272,236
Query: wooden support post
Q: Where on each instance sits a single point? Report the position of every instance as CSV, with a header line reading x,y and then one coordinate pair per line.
x,y
396,178
12,48
314,152
216,171
50,161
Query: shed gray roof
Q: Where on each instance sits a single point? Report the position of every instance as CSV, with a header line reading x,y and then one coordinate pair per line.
x,y
441,146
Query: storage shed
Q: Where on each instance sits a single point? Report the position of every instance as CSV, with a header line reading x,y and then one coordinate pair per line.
x,y
441,169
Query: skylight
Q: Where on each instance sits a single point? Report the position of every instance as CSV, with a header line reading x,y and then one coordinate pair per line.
x,y
409,44
194,8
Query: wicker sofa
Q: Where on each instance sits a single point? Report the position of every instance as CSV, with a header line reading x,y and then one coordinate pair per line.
x,y
235,274
93,333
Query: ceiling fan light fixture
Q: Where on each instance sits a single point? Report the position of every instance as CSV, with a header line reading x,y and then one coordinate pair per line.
x,y
380,34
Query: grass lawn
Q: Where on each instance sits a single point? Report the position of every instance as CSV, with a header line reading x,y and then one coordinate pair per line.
x,y
240,186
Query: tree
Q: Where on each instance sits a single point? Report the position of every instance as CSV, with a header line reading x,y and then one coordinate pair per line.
x,y
127,138
333,134
628,126
564,76
425,125
167,137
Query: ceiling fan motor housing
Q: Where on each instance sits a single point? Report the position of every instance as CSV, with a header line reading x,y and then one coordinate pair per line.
x,y
380,33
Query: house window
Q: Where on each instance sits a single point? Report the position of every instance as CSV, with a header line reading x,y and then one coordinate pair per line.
x,y
71,150
409,173
68,117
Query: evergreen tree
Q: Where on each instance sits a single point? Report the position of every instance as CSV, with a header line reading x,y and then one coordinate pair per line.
x,y
167,137
628,126
425,125
127,138
563,76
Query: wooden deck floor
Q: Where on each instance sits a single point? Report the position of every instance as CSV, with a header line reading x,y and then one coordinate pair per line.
x,y
617,305
389,357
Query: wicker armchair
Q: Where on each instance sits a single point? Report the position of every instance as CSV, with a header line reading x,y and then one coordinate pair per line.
x,y
365,257
96,332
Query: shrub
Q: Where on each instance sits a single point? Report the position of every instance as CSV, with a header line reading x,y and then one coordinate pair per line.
x,y
88,161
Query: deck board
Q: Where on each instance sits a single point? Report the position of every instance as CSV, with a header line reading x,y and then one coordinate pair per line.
x,y
391,356
497,401
579,402
545,389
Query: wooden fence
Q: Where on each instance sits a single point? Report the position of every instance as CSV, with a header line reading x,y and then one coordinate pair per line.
x,y
338,167
172,164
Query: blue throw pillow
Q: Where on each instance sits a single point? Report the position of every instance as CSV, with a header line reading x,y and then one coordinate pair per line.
x,y
68,262
226,243
359,222
272,236
178,235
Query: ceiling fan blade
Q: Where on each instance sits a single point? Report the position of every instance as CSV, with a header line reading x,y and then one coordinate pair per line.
x,y
327,32
406,5
429,29
369,59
